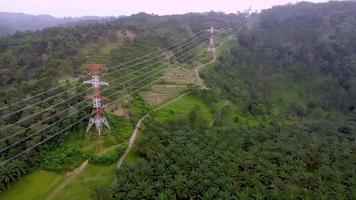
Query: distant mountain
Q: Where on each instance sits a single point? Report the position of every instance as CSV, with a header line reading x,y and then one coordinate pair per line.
x,y
12,22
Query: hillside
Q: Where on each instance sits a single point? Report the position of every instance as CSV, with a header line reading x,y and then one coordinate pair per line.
x,y
289,132
12,22
269,115
36,62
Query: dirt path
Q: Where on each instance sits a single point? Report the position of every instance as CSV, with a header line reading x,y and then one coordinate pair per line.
x,y
134,133
200,67
71,175
131,142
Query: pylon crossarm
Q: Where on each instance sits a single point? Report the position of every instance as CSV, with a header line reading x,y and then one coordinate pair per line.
x,y
98,118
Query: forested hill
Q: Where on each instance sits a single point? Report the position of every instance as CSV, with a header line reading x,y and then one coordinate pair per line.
x,y
12,22
299,56
35,60
277,122
291,75
33,63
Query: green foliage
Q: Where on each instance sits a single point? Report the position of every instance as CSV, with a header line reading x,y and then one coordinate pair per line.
x,y
34,62
286,132
109,157
296,57
34,185
121,128
70,154
270,163
138,108
183,106
289,77
64,158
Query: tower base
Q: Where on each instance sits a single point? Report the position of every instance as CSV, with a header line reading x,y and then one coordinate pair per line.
x,y
211,49
98,122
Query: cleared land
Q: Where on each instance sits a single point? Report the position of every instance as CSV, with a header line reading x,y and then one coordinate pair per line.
x,y
174,82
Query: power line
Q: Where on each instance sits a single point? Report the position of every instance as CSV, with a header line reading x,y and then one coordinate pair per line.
x,y
70,126
73,87
195,40
56,134
57,87
59,103
131,61
187,54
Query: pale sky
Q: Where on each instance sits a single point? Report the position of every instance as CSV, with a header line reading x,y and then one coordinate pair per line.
x,y
61,8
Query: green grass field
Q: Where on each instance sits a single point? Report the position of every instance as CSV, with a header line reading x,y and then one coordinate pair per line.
x,y
34,186
41,185
82,185
183,106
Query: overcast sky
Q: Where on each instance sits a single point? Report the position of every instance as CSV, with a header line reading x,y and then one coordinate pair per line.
x,y
61,8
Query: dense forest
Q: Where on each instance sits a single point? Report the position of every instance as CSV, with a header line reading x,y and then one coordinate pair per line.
x,y
293,68
301,57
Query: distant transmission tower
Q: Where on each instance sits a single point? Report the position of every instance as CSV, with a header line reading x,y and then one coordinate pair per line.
x,y
98,118
211,47
166,57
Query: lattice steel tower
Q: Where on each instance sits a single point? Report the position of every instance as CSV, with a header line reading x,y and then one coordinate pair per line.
x,y
211,47
98,117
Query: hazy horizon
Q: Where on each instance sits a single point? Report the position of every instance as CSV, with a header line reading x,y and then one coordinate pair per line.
x,y
79,8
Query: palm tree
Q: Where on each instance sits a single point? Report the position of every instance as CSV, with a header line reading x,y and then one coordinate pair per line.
x,y
5,176
19,168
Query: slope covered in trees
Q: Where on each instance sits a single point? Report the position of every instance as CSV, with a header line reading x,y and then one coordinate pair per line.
x,y
36,62
281,105
180,161
300,57
292,71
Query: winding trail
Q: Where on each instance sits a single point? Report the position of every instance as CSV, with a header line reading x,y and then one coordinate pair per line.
x,y
71,176
138,125
131,142
200,67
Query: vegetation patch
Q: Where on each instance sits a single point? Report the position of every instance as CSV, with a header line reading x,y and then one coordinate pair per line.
x,y
199,161
84,184
35,185
183,106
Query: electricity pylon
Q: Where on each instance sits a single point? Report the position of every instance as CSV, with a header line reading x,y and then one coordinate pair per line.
x,y
166,57
211,47
98,117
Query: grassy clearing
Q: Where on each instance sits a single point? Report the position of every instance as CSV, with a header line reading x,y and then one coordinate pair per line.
x,y
34,186
183,106
42,184
80,187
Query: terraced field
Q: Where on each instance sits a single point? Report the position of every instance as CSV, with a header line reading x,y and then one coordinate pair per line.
x,y
174,82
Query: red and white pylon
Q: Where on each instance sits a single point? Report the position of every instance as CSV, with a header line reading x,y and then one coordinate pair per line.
x,y
98,118
211,47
